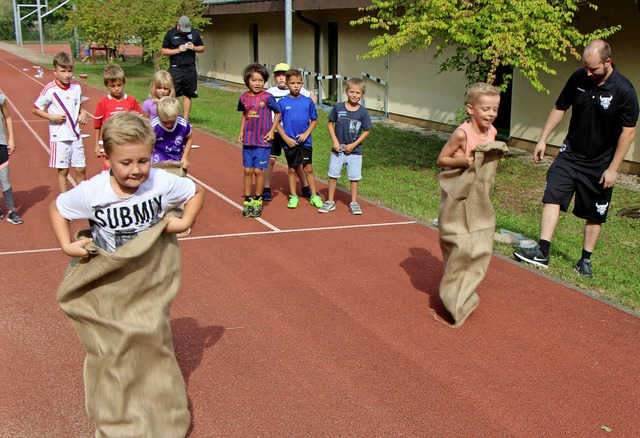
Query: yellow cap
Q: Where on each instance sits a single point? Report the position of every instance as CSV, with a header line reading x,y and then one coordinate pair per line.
x,y
281,67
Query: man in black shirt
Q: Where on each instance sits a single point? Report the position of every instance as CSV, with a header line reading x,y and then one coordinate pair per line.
x,y
181,44
602,126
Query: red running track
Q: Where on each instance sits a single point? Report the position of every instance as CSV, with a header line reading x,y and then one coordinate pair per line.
x,y
307,325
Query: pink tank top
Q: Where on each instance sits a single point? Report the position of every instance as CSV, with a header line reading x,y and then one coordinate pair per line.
x,y
474,139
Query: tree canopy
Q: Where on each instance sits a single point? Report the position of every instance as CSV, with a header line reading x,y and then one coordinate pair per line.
x,y
483,34
142,22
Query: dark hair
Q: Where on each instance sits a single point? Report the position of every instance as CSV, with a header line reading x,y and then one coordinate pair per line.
x,y
293,72
255,68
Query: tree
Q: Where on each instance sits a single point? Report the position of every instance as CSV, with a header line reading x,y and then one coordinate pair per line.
x,y
141,22
484,34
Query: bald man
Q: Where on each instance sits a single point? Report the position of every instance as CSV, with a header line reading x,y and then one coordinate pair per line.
x,y
602,126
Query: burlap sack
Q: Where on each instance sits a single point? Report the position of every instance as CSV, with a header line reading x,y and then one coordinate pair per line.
x,y
119,306
467,223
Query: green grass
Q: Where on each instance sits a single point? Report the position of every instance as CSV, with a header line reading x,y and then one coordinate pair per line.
x,y
400,173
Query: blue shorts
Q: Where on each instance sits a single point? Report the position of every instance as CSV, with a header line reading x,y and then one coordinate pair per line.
x,y
256,157
352,161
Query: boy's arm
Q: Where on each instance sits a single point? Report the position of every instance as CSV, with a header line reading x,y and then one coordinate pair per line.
x,y
62,232
96,151
450,155
241,133
274,126
55,118
185,153
350,147
191,209
335,143
6,114
303,137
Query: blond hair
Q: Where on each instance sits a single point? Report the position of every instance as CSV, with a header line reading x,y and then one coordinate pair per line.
x,y
113,72
125,128
355,82
62,59
168,108
161,78
481,89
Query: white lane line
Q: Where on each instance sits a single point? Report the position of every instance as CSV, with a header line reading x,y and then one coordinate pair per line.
x,y
230,201
254,233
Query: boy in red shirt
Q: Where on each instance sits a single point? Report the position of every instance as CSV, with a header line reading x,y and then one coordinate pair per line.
x,y
116,101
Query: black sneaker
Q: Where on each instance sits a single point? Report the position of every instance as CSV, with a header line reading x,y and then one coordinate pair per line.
x,y
583,267
14,218
266,194
306,192
533,256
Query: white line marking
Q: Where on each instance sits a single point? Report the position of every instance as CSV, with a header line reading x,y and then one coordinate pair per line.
x,y
235,204
254,233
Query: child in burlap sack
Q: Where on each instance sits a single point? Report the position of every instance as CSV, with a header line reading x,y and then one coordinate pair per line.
x,y
466,220
119,291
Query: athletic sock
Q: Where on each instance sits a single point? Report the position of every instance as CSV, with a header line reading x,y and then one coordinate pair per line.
x,y
545,246
586,254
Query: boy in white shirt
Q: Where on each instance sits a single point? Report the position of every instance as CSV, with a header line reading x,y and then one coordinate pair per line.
x,y
130,197
60,103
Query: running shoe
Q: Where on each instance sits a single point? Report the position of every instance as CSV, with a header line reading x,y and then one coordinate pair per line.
x,y
266,194
533,256
256,210
293,201
583,267
327,207
306,192
13,217
315,201
355,208
248,209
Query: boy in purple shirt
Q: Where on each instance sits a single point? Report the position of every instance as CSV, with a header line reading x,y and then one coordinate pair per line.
x,y
173,133
256,133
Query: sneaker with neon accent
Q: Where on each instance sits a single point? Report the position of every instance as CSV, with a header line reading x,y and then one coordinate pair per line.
x,y
256,207
583,267
248,209
355,208
533,256
316,201
14,218
327,207
293,201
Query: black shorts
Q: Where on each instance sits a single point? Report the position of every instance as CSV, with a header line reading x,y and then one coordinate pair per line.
x,y
185,81
299,155
565,178
276,145
4,153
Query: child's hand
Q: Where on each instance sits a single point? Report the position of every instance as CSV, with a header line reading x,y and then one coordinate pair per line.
x,y
349,148
470,160
76,249
240,137
58,118
98,152
336,146
291,142
176,225
302,137
269,136
82,118
185,163
11,148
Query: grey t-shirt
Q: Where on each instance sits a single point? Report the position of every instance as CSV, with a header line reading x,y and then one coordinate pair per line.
x,y
350,124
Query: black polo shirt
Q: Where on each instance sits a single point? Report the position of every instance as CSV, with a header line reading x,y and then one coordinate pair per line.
x,y
174,39
599,112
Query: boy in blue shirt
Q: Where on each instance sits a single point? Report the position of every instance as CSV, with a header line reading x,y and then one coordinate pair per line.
x,y
299,118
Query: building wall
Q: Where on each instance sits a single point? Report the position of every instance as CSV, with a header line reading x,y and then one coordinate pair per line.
x,y
416,90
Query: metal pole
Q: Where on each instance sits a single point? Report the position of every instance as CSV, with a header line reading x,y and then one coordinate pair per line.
x,y
40,33
288,11
17,23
